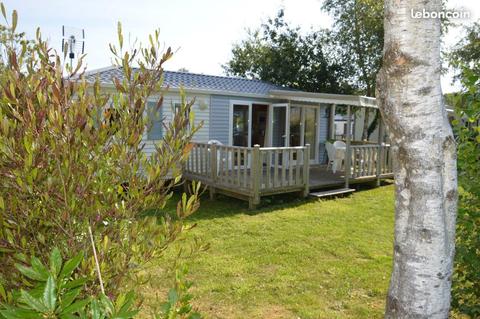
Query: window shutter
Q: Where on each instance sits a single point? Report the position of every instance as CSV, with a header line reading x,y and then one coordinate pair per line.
x,y
155,131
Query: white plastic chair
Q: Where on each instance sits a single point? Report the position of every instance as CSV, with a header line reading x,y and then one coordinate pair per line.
x,y
330,153
340,144
336,154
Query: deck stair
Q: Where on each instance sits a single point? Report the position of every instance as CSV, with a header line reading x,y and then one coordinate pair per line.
x,y
332,192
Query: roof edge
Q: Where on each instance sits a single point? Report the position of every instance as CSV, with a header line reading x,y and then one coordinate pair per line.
x,y
201,91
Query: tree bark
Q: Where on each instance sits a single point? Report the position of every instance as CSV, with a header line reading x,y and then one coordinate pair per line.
x,y
411,103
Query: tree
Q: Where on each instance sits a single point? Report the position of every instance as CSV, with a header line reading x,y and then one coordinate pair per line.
x,y
466,52
358,38
280,54
411,103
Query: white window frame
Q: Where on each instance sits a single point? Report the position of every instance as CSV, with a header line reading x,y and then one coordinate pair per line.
x,y
313,148
287,122
250,109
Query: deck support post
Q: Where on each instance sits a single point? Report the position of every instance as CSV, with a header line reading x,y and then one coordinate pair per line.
x,y
348,156
380,149
306,170
255,174
331,122
213,170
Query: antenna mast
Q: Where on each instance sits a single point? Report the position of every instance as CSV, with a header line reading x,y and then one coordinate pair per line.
x,y
73,42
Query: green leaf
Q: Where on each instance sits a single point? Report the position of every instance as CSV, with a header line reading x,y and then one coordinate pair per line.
x,y
75,307
127,302
55,261
2,203
195,315
17,313
2,292
4,13
38,266
14,20
71,265
95,310
107,304
32,302
69,297
31,273
172,296
49,294
75,283
120,35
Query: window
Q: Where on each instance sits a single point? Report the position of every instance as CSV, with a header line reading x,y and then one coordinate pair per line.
x,y
240,125
155,131
177,107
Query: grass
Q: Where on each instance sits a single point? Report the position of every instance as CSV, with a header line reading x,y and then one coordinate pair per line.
x,y
296,259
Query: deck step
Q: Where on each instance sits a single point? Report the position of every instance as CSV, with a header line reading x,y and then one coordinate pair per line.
x,y
332,192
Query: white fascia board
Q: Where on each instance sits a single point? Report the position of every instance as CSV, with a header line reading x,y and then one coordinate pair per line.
x,y
339,99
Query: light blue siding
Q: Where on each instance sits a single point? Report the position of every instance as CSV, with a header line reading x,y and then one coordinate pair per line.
x,y
219,117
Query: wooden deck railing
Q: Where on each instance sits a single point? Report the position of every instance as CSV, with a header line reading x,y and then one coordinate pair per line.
x,y
364,161
252,172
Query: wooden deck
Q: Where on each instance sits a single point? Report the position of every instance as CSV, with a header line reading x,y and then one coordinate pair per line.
x,y
250,173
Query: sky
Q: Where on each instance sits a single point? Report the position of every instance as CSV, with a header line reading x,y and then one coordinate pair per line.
x,y
201,32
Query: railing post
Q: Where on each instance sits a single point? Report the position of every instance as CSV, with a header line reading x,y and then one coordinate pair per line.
x,y
213,169
380,149
348,169
306,170
255,175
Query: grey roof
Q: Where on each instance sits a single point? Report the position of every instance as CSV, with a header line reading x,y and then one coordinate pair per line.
x,y
196,81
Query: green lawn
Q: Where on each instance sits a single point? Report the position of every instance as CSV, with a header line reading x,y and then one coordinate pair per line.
x,y
296,259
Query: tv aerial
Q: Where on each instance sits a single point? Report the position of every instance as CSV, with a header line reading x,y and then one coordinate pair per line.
x,y
73,42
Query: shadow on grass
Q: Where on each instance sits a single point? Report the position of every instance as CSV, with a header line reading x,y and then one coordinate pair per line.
x,y
223,206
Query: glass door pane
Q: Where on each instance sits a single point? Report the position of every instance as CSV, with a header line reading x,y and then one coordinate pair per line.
x,y
310,136
240,125
279,129
295,126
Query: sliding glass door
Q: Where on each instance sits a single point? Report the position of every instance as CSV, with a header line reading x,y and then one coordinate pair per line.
x,y
310,132
303,128
296,124
279,114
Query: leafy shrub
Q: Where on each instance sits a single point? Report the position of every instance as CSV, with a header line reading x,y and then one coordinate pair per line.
x,y
466,280
71,160
56,293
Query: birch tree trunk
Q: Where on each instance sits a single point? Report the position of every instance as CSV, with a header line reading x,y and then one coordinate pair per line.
x,y
411,103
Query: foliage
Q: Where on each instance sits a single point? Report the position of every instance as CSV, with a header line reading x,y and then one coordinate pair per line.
x,y
10,38
466,52
284,56
466,281
71,157
178,301
56,293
